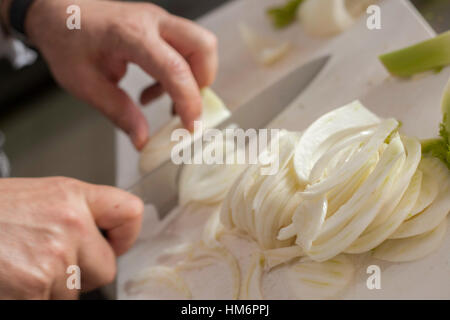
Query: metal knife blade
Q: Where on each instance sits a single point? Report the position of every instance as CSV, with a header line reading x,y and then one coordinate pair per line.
x,y
159,187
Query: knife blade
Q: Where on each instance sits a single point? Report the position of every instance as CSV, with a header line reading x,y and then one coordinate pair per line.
x,y
159,187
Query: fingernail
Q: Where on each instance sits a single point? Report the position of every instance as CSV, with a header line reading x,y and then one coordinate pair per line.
x,y
139,140
190,126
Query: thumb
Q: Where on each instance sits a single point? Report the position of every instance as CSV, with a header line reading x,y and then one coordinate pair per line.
x,y
115,104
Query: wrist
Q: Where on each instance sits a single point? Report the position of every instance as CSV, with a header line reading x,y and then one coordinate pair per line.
x,y
46,21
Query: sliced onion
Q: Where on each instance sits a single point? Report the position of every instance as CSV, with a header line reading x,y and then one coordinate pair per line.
x,y
212,231
159,146
161,274
413,248
251,286
346,225
320,280
376,236
414,156
428,194
276,257
339,153
364,155
309,150
437,211
341,194
209,183
306,222
201,256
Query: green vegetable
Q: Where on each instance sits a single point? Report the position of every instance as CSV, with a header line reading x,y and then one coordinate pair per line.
x,y
446,107
433,54
283,16
440,148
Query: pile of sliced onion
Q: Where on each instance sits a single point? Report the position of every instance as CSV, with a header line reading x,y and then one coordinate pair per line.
x,y
159,146
349,183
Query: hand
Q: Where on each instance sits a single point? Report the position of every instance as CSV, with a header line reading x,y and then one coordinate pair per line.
x,y
49,224
180,55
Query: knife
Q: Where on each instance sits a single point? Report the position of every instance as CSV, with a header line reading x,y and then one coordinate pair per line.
x,y
159,187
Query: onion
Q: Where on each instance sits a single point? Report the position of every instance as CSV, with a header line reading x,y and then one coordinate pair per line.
x,y
306,222
162,274
325,280
251,286
370,239
351,183
200,255
159,146
212,231
413,248
259,210
437,211
209,183
413,158
345,226
336,124
345,172
276,257
428,194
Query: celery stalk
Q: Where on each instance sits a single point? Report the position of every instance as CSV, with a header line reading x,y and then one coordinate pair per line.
x,y
440,148
433,54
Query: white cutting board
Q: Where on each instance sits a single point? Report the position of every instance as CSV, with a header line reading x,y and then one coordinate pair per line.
x,y
354,72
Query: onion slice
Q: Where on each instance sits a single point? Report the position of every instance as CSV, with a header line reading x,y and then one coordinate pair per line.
x,y
437,211
251,286
158,148
413,248
320,280
166,275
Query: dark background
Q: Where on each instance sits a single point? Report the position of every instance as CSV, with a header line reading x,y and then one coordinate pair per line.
x,y
48,132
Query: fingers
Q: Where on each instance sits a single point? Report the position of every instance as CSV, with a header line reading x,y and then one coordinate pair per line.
x,y
117,106
96,259
151,93
196,44
159,59
118,213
